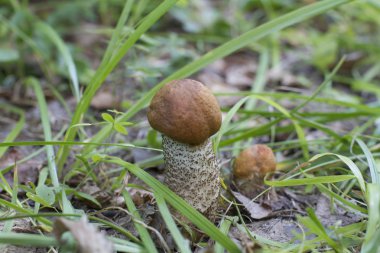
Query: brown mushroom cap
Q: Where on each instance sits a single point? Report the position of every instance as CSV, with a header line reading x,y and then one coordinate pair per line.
x,y
255,161
186,111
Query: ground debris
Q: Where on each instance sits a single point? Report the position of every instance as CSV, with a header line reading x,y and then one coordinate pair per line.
x,y
26,171
257,211
21,226
88,238
275,219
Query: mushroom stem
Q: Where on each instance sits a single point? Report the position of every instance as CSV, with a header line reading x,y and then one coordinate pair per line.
x,y
192,172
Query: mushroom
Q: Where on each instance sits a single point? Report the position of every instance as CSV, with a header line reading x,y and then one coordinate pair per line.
x,y
254,162
187,114
250,167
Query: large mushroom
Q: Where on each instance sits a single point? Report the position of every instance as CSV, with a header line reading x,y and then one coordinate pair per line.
x,y
187,114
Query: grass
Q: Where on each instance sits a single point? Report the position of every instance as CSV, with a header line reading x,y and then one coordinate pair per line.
x,y
326,141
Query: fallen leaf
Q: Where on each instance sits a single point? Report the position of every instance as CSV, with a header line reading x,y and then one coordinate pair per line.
x,y
88,238
275,229
255,210
330,213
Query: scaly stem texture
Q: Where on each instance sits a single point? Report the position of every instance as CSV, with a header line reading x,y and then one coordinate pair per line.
x,y
192,172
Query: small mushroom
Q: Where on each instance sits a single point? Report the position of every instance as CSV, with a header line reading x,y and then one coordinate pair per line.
x,y
254,162
187,114
250,167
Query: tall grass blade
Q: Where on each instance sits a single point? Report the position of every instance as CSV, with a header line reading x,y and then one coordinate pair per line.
x,y
103,72
231,46
44,113
225,124
372,237
342,200
19,209
112,45
144,234
351,165
225,226
286,113
320,87
66,55
315,226
371,162
23,239
181,242
179,204
28,240
259,82
309,181
17,128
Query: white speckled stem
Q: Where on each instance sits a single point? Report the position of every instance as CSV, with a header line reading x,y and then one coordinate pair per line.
x,y
192,172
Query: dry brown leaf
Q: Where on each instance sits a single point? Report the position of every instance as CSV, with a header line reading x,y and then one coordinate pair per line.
x,y
87,236
329,213
255,210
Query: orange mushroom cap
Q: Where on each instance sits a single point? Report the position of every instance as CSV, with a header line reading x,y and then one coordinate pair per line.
x,y
255,161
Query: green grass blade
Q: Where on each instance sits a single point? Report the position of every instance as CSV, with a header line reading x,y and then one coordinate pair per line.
x,y
243,40
320,87
314,225
259,82
339,198
370,160
256,131
181,242
259,238
355,170
112,45
43,175
103,72
28,41
28,240
8,225
179,204
231,46
372,237
17,208
125,246
310,123
119,229
70,143
286,113
225,228
65,53
309,181
17,127
225,124
359,107
44,113
23,239
144,234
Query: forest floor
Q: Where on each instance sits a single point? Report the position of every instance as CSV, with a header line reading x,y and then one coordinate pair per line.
x,y
302,77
